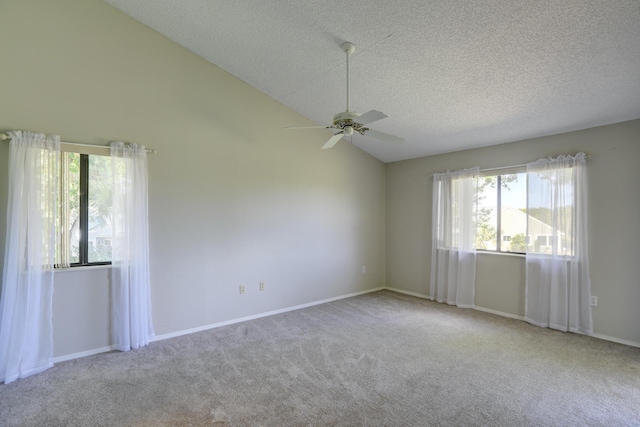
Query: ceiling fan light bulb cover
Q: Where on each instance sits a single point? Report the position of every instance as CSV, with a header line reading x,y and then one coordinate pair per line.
x,y
348,130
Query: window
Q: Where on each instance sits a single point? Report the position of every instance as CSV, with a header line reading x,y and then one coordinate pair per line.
x,y
84,224
506,224
502,212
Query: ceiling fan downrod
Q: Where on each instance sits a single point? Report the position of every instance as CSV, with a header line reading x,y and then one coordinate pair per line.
x,y
348,49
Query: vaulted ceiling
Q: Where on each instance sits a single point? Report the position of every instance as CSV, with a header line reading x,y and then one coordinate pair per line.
x,y
451,75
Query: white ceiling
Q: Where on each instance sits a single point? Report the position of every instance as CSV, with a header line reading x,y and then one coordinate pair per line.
x,y
450,74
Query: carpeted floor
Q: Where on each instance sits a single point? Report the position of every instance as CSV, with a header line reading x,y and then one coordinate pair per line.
x,y
380,359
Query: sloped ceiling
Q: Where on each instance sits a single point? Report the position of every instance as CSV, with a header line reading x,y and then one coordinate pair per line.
x,y
451,75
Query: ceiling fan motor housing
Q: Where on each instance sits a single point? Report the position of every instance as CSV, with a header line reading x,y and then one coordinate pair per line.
x,y
345,117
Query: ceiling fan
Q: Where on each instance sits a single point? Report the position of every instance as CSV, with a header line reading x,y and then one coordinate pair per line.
x,y
349,122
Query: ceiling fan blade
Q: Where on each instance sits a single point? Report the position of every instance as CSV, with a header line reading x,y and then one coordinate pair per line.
x,y
370,117
333,140
383,136
307,127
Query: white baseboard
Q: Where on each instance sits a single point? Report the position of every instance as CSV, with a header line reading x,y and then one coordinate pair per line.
x,y
616,340
258,316
487,310
594,335
215,325
517,317
413,294
500,313
301,306
72,356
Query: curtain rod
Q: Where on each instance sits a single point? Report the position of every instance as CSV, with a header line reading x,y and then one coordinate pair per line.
x,y
502,167
516,166
512,166
4,136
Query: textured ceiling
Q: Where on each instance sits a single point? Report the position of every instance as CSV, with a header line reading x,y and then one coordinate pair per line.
x,y
451,75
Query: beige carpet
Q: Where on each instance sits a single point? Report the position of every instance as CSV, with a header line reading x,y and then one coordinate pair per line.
x,y
381,359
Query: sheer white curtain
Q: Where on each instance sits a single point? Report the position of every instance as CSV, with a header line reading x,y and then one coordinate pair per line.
x,y
558,290
453,258
130,286
26,332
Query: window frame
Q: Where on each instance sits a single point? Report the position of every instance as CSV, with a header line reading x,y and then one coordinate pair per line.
x,y
83,216
498,173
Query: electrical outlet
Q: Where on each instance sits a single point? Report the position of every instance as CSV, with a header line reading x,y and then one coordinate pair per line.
x,y
364,268
241,289
262,286
594,301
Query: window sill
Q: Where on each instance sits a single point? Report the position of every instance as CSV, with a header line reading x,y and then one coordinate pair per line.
x,y
82,268
511,254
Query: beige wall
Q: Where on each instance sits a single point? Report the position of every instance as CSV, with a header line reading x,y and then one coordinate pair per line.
x,y
236,200
614,231
233,198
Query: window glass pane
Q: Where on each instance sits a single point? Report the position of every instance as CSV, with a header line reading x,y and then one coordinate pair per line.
x,y
73,223
487,226
513,218
99,238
